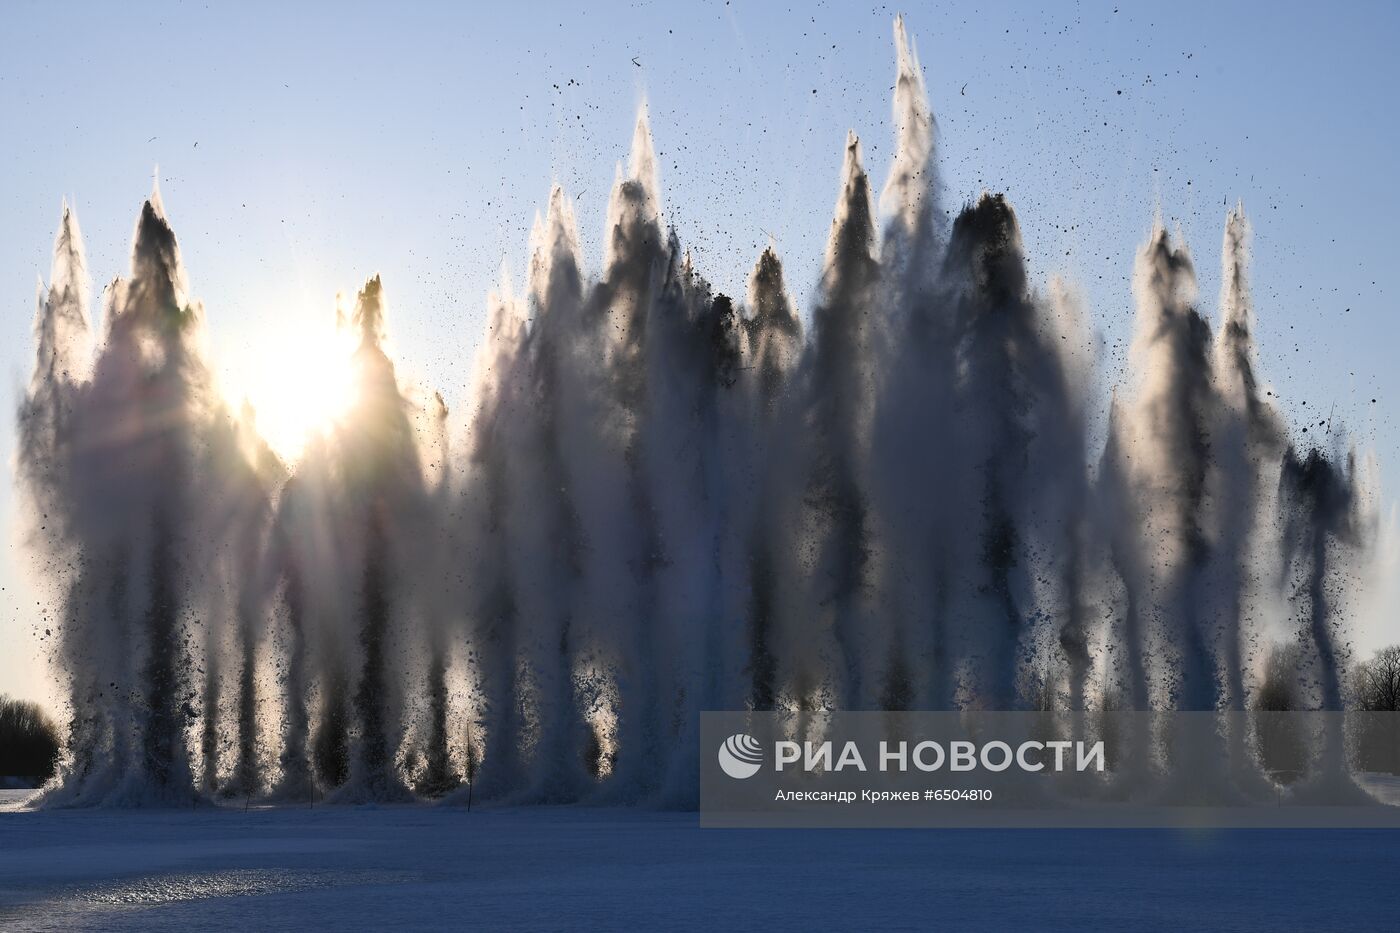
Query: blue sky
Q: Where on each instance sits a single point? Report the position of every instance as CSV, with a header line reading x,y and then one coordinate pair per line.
x,y
303,147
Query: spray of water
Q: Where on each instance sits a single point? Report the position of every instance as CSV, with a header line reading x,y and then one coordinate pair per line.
x,y
657,500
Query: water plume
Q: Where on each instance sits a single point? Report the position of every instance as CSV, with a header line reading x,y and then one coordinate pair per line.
x,y
657,499
141,425
62,361
46,443
1323,521
490,591
773,346
384,502
838,397
1022,452
436,597
242,475
1248,447
1160,471
640,268
908,198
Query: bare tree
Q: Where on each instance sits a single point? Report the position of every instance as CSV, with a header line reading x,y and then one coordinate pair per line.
x,y
1281,745
28,740
1376,683
1375,688
1278,689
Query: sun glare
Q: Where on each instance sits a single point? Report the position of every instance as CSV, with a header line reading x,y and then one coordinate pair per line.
x,y
298,386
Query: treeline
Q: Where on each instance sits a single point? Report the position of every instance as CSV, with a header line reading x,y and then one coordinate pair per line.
x,y
28,740
1373,685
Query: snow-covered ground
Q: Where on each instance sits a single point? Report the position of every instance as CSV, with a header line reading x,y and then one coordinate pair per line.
x,y
417,867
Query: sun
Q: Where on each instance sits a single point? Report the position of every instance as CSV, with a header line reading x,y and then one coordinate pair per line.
x,y
299,385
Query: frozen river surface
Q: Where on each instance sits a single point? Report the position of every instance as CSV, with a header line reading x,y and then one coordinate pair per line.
x,y
428,868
